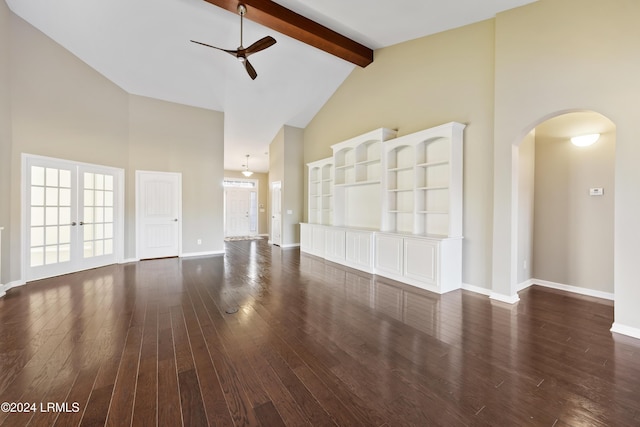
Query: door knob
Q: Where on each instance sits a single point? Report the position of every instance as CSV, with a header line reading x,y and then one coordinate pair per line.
x,y
73,224
175,220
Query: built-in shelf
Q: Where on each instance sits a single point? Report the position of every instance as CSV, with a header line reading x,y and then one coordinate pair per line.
x,y
398,190
430,164
391,206
321,187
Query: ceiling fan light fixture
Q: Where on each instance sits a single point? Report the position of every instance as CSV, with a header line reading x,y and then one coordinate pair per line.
x,y
241,53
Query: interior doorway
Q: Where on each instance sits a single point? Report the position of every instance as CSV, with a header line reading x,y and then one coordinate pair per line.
x,y
241,207
565,205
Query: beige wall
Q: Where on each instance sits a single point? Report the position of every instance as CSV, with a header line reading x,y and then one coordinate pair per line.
x,y
5,140
168,137
526,187
416,85
286,153
263,197
573,230
556,56
62,108
293,185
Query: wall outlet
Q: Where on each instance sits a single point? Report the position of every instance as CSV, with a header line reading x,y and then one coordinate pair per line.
x,y
199,241
289,212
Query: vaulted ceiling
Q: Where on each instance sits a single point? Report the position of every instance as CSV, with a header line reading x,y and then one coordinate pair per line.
x,y
143,47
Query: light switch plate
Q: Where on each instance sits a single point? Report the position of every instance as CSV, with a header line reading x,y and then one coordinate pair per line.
x,y
596,191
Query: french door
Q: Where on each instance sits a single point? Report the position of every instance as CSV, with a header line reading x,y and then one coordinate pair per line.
x,y
72,216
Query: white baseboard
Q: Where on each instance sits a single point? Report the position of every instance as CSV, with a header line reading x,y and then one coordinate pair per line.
x,y
4,288
291,245
476,289
509,299
574,289
207,253
625,330
525,284
128,260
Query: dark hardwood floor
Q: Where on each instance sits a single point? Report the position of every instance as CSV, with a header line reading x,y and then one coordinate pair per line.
x,y
312,343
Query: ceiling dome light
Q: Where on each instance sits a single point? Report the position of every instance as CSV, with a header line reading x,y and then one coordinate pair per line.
x,y
585,140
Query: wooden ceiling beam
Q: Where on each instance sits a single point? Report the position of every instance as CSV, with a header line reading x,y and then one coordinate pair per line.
x,y
289,23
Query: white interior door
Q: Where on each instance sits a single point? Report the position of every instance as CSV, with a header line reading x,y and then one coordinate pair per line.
x,y
73,216
276,213
237,209
158,214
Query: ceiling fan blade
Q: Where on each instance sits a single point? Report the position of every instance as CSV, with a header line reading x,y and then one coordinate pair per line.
x,y
231,52
250,69
261,44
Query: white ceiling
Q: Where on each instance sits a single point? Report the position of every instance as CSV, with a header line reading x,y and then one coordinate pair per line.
x,y
143,46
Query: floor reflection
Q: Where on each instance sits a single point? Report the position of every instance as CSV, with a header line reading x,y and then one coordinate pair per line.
x,y
422,310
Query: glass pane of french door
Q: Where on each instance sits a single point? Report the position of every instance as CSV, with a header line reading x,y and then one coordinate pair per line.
x,y
51,207
98,214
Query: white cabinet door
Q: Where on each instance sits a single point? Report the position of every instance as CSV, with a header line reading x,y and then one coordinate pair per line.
x,y
359,250
334,245
421,260
317,240
388,251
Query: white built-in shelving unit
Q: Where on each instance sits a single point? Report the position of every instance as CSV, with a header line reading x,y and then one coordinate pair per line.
x,y
358,179
424,170
391,206
321,192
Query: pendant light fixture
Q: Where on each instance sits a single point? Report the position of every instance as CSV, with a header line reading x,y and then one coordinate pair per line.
x,y
246,172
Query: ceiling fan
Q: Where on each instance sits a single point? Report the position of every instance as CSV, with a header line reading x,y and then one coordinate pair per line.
x,y
241,53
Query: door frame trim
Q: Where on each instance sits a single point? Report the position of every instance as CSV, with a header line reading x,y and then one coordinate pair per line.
x,y
138,219
272,185
118,211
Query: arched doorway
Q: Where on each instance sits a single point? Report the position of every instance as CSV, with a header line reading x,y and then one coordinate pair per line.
x,y
565,205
